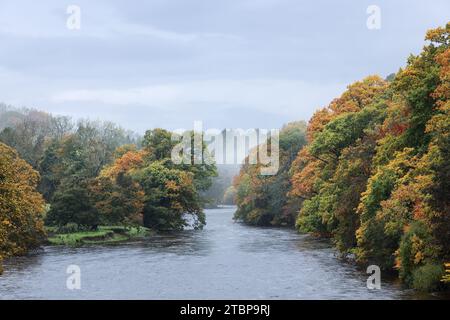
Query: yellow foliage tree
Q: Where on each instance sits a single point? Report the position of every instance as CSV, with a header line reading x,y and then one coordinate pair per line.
x,y
21,206
446,277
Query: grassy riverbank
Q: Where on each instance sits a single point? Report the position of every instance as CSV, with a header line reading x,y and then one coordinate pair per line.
x,y
103,235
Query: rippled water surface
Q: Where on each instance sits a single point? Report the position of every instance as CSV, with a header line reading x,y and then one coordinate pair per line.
x,y
226,260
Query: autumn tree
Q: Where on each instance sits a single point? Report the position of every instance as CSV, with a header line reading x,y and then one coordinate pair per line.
x,y
374,175
21,206
404,211
262,199
169,195
331,172
158,145
118,198
144,186
70,165
171,190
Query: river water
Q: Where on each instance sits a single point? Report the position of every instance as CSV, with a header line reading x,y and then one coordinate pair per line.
x,y
226,260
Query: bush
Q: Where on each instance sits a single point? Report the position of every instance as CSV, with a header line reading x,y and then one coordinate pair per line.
x,y
416,250
427,277
72,203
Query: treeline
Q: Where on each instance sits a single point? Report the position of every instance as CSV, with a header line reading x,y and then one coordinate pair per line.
x,y
262,199
375,172
221,191
77,176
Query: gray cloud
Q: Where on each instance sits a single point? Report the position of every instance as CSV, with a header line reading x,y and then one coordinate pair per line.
x,y
261,62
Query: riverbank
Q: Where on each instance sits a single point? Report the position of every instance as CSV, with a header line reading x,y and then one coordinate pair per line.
x,y
225,260
103,235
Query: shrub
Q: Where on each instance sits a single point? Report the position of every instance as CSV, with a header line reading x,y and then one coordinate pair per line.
x,y
427,277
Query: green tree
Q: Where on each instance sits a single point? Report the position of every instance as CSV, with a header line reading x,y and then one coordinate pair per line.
x,y
169,195
73,203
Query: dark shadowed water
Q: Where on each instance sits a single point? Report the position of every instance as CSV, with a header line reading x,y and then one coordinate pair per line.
x,y
226,260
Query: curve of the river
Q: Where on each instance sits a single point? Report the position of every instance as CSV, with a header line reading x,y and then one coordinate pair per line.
x,y
225,260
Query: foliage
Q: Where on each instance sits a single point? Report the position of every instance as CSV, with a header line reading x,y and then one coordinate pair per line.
x,y
169,194
21,206
171,190
375,173
446,277
330,173
262,200
371,170
73,203
426,277
28,131
118,198
104,235
229,197
221,191
122,185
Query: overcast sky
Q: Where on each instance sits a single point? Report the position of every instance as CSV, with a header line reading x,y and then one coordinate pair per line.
x,y
228,63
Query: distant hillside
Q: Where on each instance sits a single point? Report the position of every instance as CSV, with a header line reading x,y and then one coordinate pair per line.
x,y
9,116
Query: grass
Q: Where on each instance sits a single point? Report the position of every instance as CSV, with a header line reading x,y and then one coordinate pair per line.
x,y
103,235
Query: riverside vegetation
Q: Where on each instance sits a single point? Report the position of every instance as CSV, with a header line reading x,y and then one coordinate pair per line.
x,y
91,182
374,172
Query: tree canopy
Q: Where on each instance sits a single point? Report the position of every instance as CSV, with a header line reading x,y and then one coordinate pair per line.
x,y
262,199
374,173
21,206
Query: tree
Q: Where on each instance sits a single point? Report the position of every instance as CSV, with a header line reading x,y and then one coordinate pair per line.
x,y
229,197
118,198
330,173
73,203
221,190
374,175
31,131
21,206
69,167
158,145
262,200
405,210
146,184
169,194
46,142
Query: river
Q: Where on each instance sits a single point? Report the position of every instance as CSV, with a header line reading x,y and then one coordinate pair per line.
x,y
225,260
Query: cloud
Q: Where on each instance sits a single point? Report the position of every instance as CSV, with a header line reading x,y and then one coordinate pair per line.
x,y
126,29
285,97
97,21
166,62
